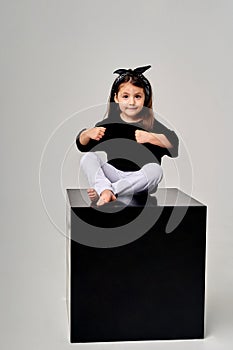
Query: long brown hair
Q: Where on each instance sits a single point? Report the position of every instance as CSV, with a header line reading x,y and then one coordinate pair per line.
x,y
146,113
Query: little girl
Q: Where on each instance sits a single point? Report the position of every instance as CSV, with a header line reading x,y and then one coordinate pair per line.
x,y
135,166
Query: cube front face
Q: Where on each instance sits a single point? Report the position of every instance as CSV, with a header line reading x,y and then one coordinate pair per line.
x,y
150,289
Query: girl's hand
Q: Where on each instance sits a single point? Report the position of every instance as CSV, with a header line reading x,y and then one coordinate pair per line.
x,y
153,138
95,133
142,136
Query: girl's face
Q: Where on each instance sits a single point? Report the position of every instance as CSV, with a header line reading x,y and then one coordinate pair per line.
x,y
131,100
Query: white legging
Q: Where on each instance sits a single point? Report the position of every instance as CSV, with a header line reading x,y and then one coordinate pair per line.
x,y
102,176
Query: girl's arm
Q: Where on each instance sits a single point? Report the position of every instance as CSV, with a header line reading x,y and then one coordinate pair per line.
x,y
95,133
155,139
89,138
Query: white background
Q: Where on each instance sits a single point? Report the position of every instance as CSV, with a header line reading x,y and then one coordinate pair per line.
x,y
57,58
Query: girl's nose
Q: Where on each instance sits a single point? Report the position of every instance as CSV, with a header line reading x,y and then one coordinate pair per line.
x,y
131,100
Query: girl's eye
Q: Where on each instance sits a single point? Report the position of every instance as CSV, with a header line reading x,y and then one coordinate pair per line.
x,y
125,96
138,96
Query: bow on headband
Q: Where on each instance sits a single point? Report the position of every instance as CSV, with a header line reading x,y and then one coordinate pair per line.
x,y
136,71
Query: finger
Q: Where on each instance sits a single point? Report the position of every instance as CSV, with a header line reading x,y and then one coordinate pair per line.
x,y
91,195
101,128
99,136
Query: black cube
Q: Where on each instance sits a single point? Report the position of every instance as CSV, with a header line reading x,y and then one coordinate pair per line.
x,y
129,286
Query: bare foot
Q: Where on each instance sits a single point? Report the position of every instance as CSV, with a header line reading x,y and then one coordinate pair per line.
x,y
92,194
106,197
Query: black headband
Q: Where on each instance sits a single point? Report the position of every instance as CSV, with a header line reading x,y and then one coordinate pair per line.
x,y
133,72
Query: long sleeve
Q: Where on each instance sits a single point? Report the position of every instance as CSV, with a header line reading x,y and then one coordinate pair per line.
x,y
172,138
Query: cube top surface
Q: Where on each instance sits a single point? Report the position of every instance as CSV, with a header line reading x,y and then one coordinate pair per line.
x,y
164,197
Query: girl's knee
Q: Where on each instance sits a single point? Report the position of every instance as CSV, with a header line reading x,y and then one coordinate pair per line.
x,y
153,172
87,157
